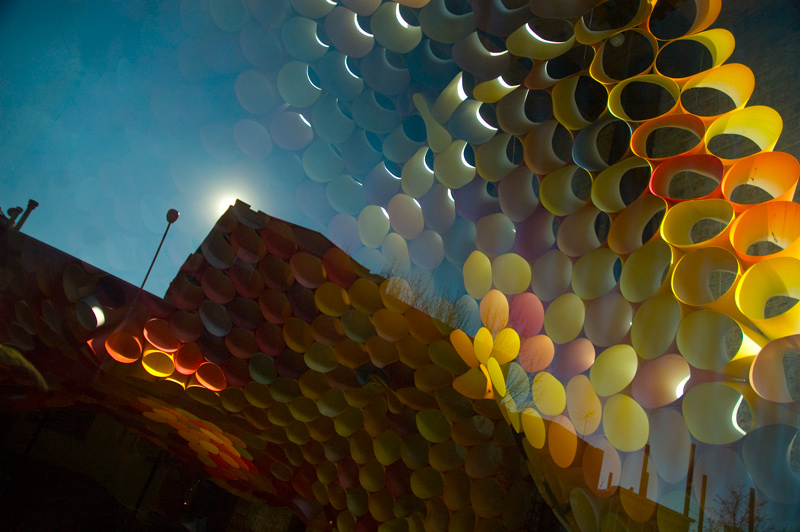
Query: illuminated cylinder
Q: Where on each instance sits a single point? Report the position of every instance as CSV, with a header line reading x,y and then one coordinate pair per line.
x,y
776,222
774,172
680,221
528,41
616,98
375,112
380,185
417,176
217,251
492,158
718,41
607,186
468,124
322,161
210,376
337,78
686,122
330,122
291,131
472,56
427,250
625,234
405,216
431,64
517,196
707,166
585,150
437,135
583,405
511,274
605,66
574,357
514,115
373,225
551,275
566,106
540,153
536,234
760,124
382,75
494,234
401,145
766,453
768,375
625,423
594,274
762,281
477,274
345,34
312,8
299,37
643,274
295,84
157,363
392,31
556,192
564,318
693,276
549,395
577,235
613,370
438,209
608,319
586,35
493,90
346,195
188,358
451,167
660,381
654,325
710,413
215,318
442,25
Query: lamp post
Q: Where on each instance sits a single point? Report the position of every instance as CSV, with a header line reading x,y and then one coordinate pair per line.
x,y
172,216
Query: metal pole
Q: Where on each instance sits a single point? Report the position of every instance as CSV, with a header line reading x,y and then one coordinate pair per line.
x,y
689,475
702,505
172,215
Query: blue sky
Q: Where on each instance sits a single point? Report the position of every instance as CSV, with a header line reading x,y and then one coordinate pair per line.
x,y
114,112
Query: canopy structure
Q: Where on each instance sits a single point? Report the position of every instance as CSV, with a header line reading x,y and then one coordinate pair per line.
x,y
562,257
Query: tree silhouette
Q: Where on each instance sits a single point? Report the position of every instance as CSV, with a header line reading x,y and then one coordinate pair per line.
x,y
731,513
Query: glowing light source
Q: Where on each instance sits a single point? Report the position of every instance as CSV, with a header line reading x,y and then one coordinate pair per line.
x,y
537,37
734,415
224,203
462,94
399,15
483,122
681,385
347,66
358,26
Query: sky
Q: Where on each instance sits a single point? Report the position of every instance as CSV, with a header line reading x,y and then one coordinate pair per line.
x,y
113,112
